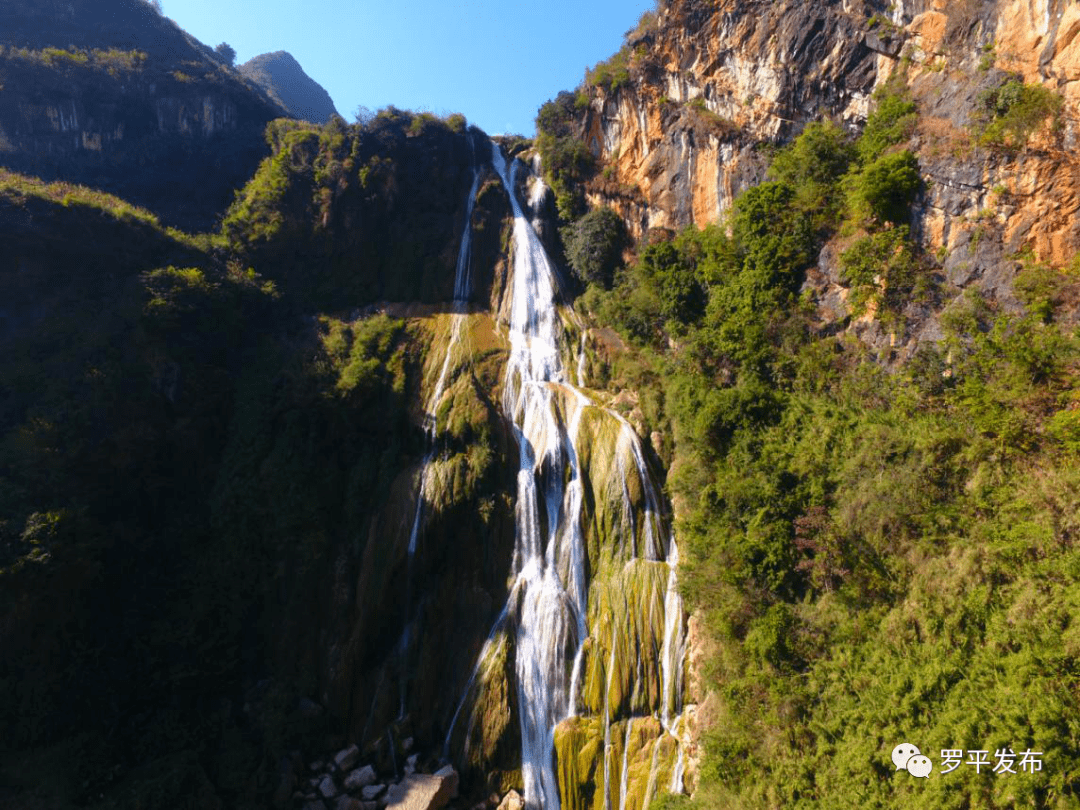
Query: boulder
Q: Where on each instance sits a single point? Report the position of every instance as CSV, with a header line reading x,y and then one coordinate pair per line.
x,y
369,806
360,778
369,792
327,787
346,758
451,776
315,804
317,766
421,791
348,803
512,801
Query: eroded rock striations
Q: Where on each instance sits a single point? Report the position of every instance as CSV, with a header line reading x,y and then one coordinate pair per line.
x,y
711,85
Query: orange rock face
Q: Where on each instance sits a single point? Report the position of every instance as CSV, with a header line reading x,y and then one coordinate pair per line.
x,y
709,86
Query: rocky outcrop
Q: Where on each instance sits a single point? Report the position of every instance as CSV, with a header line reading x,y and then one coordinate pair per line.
x,y
710,84
281,76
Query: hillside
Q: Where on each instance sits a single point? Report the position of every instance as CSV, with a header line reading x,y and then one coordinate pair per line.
x,y
112,95
286,82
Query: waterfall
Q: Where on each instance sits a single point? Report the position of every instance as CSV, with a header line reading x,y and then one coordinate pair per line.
x,y
548,612
462,291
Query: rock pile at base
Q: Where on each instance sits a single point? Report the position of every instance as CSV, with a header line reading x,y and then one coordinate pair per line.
x,y
342,782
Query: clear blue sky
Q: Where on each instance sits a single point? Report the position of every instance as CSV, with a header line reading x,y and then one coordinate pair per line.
x,y
496,61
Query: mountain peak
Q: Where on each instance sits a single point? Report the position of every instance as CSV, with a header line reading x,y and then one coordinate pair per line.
x,y
280,75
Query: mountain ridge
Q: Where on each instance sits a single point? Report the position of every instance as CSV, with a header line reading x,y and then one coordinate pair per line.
x,y
285,81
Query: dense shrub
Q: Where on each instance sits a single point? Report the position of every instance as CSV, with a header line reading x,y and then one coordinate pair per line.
x,y
594,246
612,73
881,268
813,165
566,160
885,188
1010,114
891,121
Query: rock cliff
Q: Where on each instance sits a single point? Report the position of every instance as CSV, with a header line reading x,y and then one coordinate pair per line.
x,y
711,87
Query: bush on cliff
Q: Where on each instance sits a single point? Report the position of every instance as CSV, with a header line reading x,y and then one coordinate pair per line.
x,y
594,246
885,188
565,159
1008,115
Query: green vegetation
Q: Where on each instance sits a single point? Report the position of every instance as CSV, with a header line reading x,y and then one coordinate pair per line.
x,y
594,246
883,270
1008,115
566,160
612,73
227,53
316,177
884,189
812,165
183,415
111,60
892,120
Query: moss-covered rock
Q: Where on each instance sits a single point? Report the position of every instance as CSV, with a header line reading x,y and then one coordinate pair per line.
x,y
581,759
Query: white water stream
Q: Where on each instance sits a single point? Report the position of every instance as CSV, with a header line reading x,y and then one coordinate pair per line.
x,y
547,608
462,291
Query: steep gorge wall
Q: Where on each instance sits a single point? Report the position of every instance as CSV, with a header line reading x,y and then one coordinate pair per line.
x,y
712,84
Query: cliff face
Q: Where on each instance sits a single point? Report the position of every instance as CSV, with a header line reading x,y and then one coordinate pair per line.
x,y
281,76
711,84
114,96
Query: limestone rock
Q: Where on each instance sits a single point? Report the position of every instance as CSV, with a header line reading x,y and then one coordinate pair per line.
x,y
512,801
421,791
346,758
448,773
281,76
360,778
369,792
327,787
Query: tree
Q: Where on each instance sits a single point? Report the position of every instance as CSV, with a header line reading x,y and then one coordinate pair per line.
x,y
226,52
594,246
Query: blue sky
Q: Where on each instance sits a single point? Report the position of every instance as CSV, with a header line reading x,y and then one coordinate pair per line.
x,y
496,61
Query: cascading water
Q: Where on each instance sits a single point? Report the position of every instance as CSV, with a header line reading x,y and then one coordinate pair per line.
x,y
459,314
550,609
